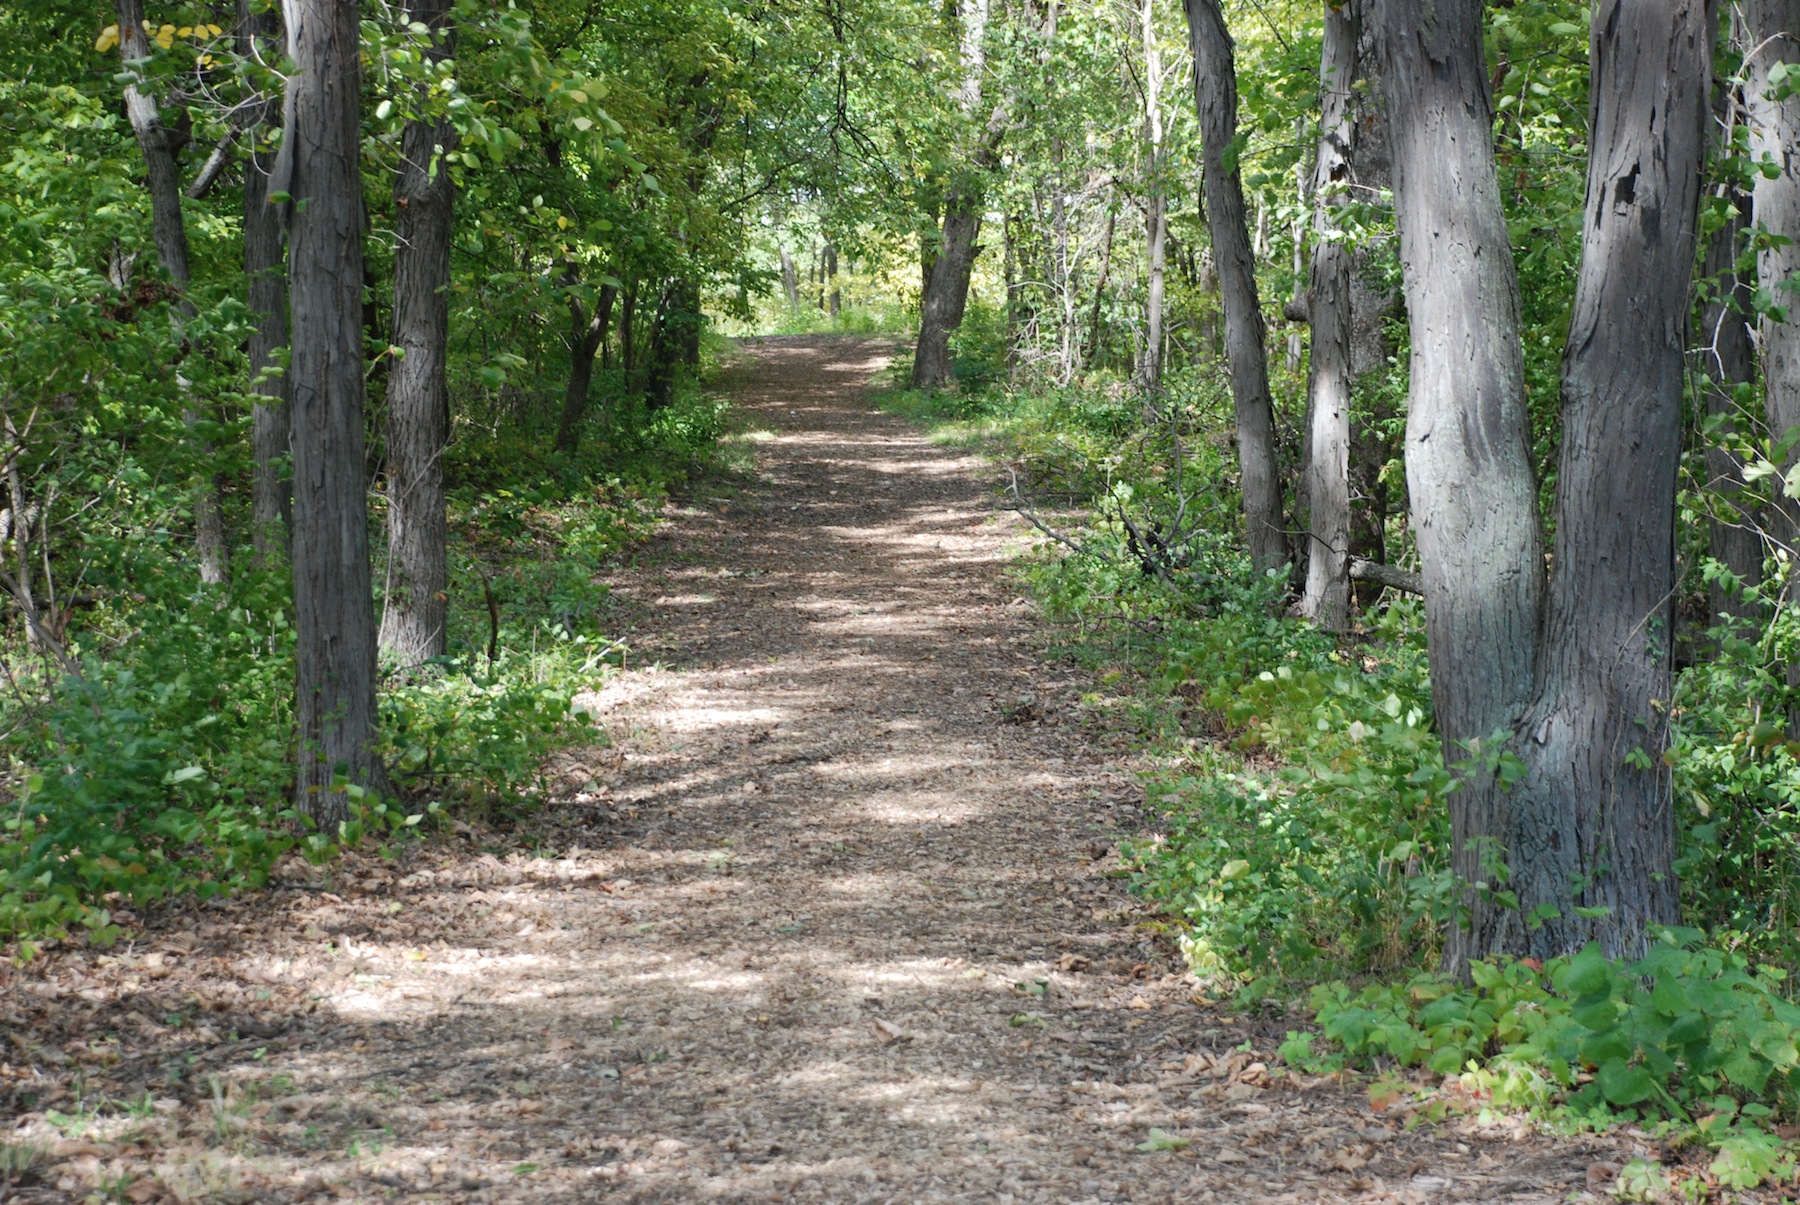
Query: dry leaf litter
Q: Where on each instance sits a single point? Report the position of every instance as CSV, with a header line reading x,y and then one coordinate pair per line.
x,y
833,917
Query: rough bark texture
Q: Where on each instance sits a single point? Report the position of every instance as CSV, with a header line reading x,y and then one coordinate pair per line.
x,y
334,609
1468,455
1326,597
169,232
265,266
1373,304
1215,95
947,291
790,278
1593,822
587,335
418,398
1772,30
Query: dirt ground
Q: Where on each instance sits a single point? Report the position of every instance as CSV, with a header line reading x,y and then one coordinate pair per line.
x,y
836,916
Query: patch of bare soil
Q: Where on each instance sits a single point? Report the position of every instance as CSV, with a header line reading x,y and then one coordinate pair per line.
x,y
834,918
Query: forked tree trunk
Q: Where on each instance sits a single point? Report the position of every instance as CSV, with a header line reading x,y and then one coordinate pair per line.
x,y
587,335
1330,310
1215,95
1772,31
416,607
1575,678
169,231
265,266
1468,452
1592,824
333,605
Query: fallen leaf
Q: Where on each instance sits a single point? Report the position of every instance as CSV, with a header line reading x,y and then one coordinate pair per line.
x,y
887,1033
1159,1141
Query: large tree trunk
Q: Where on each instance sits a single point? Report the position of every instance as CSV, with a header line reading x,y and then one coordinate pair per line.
x,y
947,292
1468,452
418,397
333,605
1772,30
1330,309
265,265
1215,95
1592,825
1373,304
169,231
1576,679
587,335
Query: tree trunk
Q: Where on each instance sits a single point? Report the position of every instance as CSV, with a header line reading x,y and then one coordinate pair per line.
x,y
948,266
628,337
1592,825
790,278
333,606
586,337
1215,96
1095,334
1373,304
169,232
1576,678
265,266
835,299
1156,204
1326,598
1468,453
1772,30
418,394
947,293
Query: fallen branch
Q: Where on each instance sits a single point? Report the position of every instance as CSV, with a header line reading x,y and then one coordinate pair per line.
x,y
1026,511
1386,575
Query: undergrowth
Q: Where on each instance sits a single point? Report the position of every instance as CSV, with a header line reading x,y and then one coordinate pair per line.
x,y
1301,841
155,759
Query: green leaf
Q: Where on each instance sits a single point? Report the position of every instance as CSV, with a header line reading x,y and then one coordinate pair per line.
x,y
1623,1084
1159,1141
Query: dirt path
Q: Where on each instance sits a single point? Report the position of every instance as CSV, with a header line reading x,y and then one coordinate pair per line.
x,y
834,920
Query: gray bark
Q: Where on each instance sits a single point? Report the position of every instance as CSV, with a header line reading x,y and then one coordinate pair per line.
x,y
418,422
169,232
1468,453
333,604
1215,95
1772,31
790,278
265,255
1592,824
1156,204
1326,597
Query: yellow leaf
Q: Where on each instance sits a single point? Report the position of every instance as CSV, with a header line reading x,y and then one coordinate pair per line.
x,y
165,37
562,223
109,37
186,31
213,31
578,96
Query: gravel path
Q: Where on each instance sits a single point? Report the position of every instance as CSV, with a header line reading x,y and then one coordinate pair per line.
x,y
835,918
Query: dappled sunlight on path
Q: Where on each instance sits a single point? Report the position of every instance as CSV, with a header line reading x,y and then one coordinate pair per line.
x,y
837,916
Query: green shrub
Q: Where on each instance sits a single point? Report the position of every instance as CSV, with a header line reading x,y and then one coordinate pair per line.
x,y
1690,1033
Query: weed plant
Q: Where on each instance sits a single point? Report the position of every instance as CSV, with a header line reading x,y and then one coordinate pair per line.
x,y
1302,833
156,759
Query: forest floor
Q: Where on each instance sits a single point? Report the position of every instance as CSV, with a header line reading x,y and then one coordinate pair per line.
x,y
835,916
